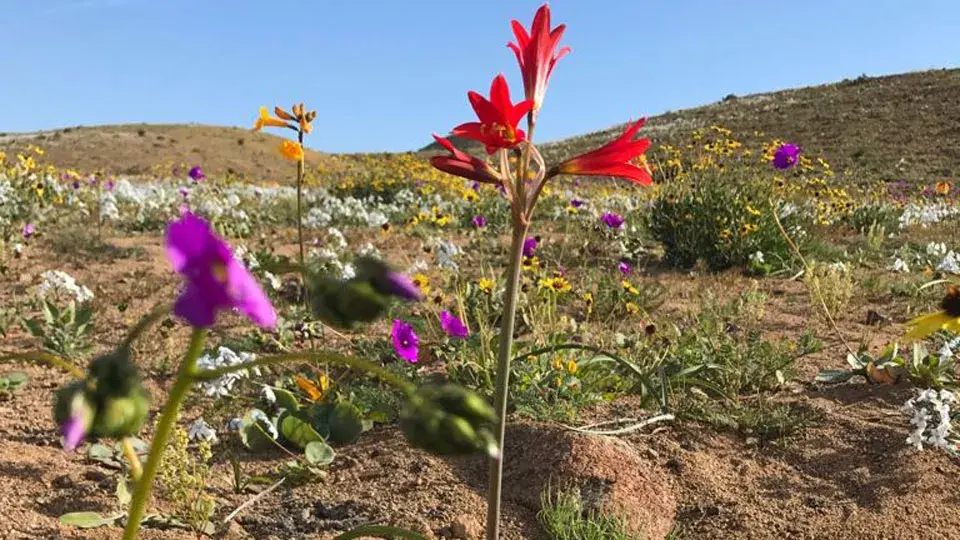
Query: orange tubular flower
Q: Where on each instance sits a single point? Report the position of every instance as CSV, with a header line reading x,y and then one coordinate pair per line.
x,y
498,116
460,163
612,159
537,53
265,120
291,150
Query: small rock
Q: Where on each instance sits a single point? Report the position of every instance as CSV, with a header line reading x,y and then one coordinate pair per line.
x,y
466,528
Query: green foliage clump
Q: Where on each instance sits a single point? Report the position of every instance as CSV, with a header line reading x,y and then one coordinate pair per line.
x,y
721,219
183,478
564,517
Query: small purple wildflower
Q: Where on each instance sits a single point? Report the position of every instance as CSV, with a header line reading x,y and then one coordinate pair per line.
x,y
184,192
475,186
612,220
196,174
529,247
28,230
215,279
786,156
110,185
73,432
402,287
479,222
624,268
76,184
576,203
405,341
452,325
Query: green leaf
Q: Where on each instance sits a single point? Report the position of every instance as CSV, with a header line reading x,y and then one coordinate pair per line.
x,y
86,520
380,531
123,493
835,376
346,423
297,430
319,453
286,399
252,435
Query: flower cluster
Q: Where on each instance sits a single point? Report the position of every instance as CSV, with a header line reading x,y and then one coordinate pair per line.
x,y
931,418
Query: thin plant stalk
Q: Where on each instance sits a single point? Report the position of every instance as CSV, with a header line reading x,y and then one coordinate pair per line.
x,y
138,504
300,167
503,377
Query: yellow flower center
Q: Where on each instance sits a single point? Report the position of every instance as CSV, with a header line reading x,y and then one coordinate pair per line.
x,y
219,271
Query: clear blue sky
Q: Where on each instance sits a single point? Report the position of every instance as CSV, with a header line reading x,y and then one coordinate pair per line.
x,y
384,74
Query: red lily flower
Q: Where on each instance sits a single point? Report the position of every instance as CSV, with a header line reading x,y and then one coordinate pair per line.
x,y
462,164
536,52
498,116
613,159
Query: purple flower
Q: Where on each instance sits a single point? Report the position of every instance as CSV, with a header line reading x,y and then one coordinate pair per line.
x,y
614,221
76,184
479,221
215,279
624,268
196,174
110,185
529,247
28,230
73,431
475,186
452,325
786,156
405,341
184,192
576,203
402,286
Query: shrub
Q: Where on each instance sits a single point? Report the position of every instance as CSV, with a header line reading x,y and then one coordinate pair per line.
x,y
720,218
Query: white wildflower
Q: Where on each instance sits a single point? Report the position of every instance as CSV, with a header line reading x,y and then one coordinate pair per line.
x,y
59,284
201,431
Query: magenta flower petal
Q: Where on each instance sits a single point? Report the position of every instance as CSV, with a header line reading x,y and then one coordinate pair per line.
x,y
248,296
530,247
403,287
614,221
624,268
73,432
479,221
406,343
196,174
786,156
215,280
452,325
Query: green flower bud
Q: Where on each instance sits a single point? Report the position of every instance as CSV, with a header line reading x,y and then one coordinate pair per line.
x,y
73,400
345,303
121,416
449,420
115,374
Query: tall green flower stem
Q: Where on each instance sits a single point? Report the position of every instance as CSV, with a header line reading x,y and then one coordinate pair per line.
x,y
188,375
300,168
522,206
138,504
495,483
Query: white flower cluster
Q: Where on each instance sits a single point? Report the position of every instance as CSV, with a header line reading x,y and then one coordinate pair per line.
x,y
200,430
930,416
225,357
61,285
899,266
446,252
950,263
757,258
926,214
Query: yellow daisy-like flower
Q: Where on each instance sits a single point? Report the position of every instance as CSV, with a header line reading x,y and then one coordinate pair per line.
x,y
948,318
557,284
485,285
557,363
265,120
752,210
632,308
422,282
628,287
943,188
572,367
291,150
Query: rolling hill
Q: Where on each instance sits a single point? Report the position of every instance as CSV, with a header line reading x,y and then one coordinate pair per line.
x,y
905,125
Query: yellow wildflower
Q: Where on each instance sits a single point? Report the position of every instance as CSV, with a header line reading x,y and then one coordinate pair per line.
x,y
485,285
291,150
632,308
572,367
948,318
558,284
628,287
265,120
422,282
